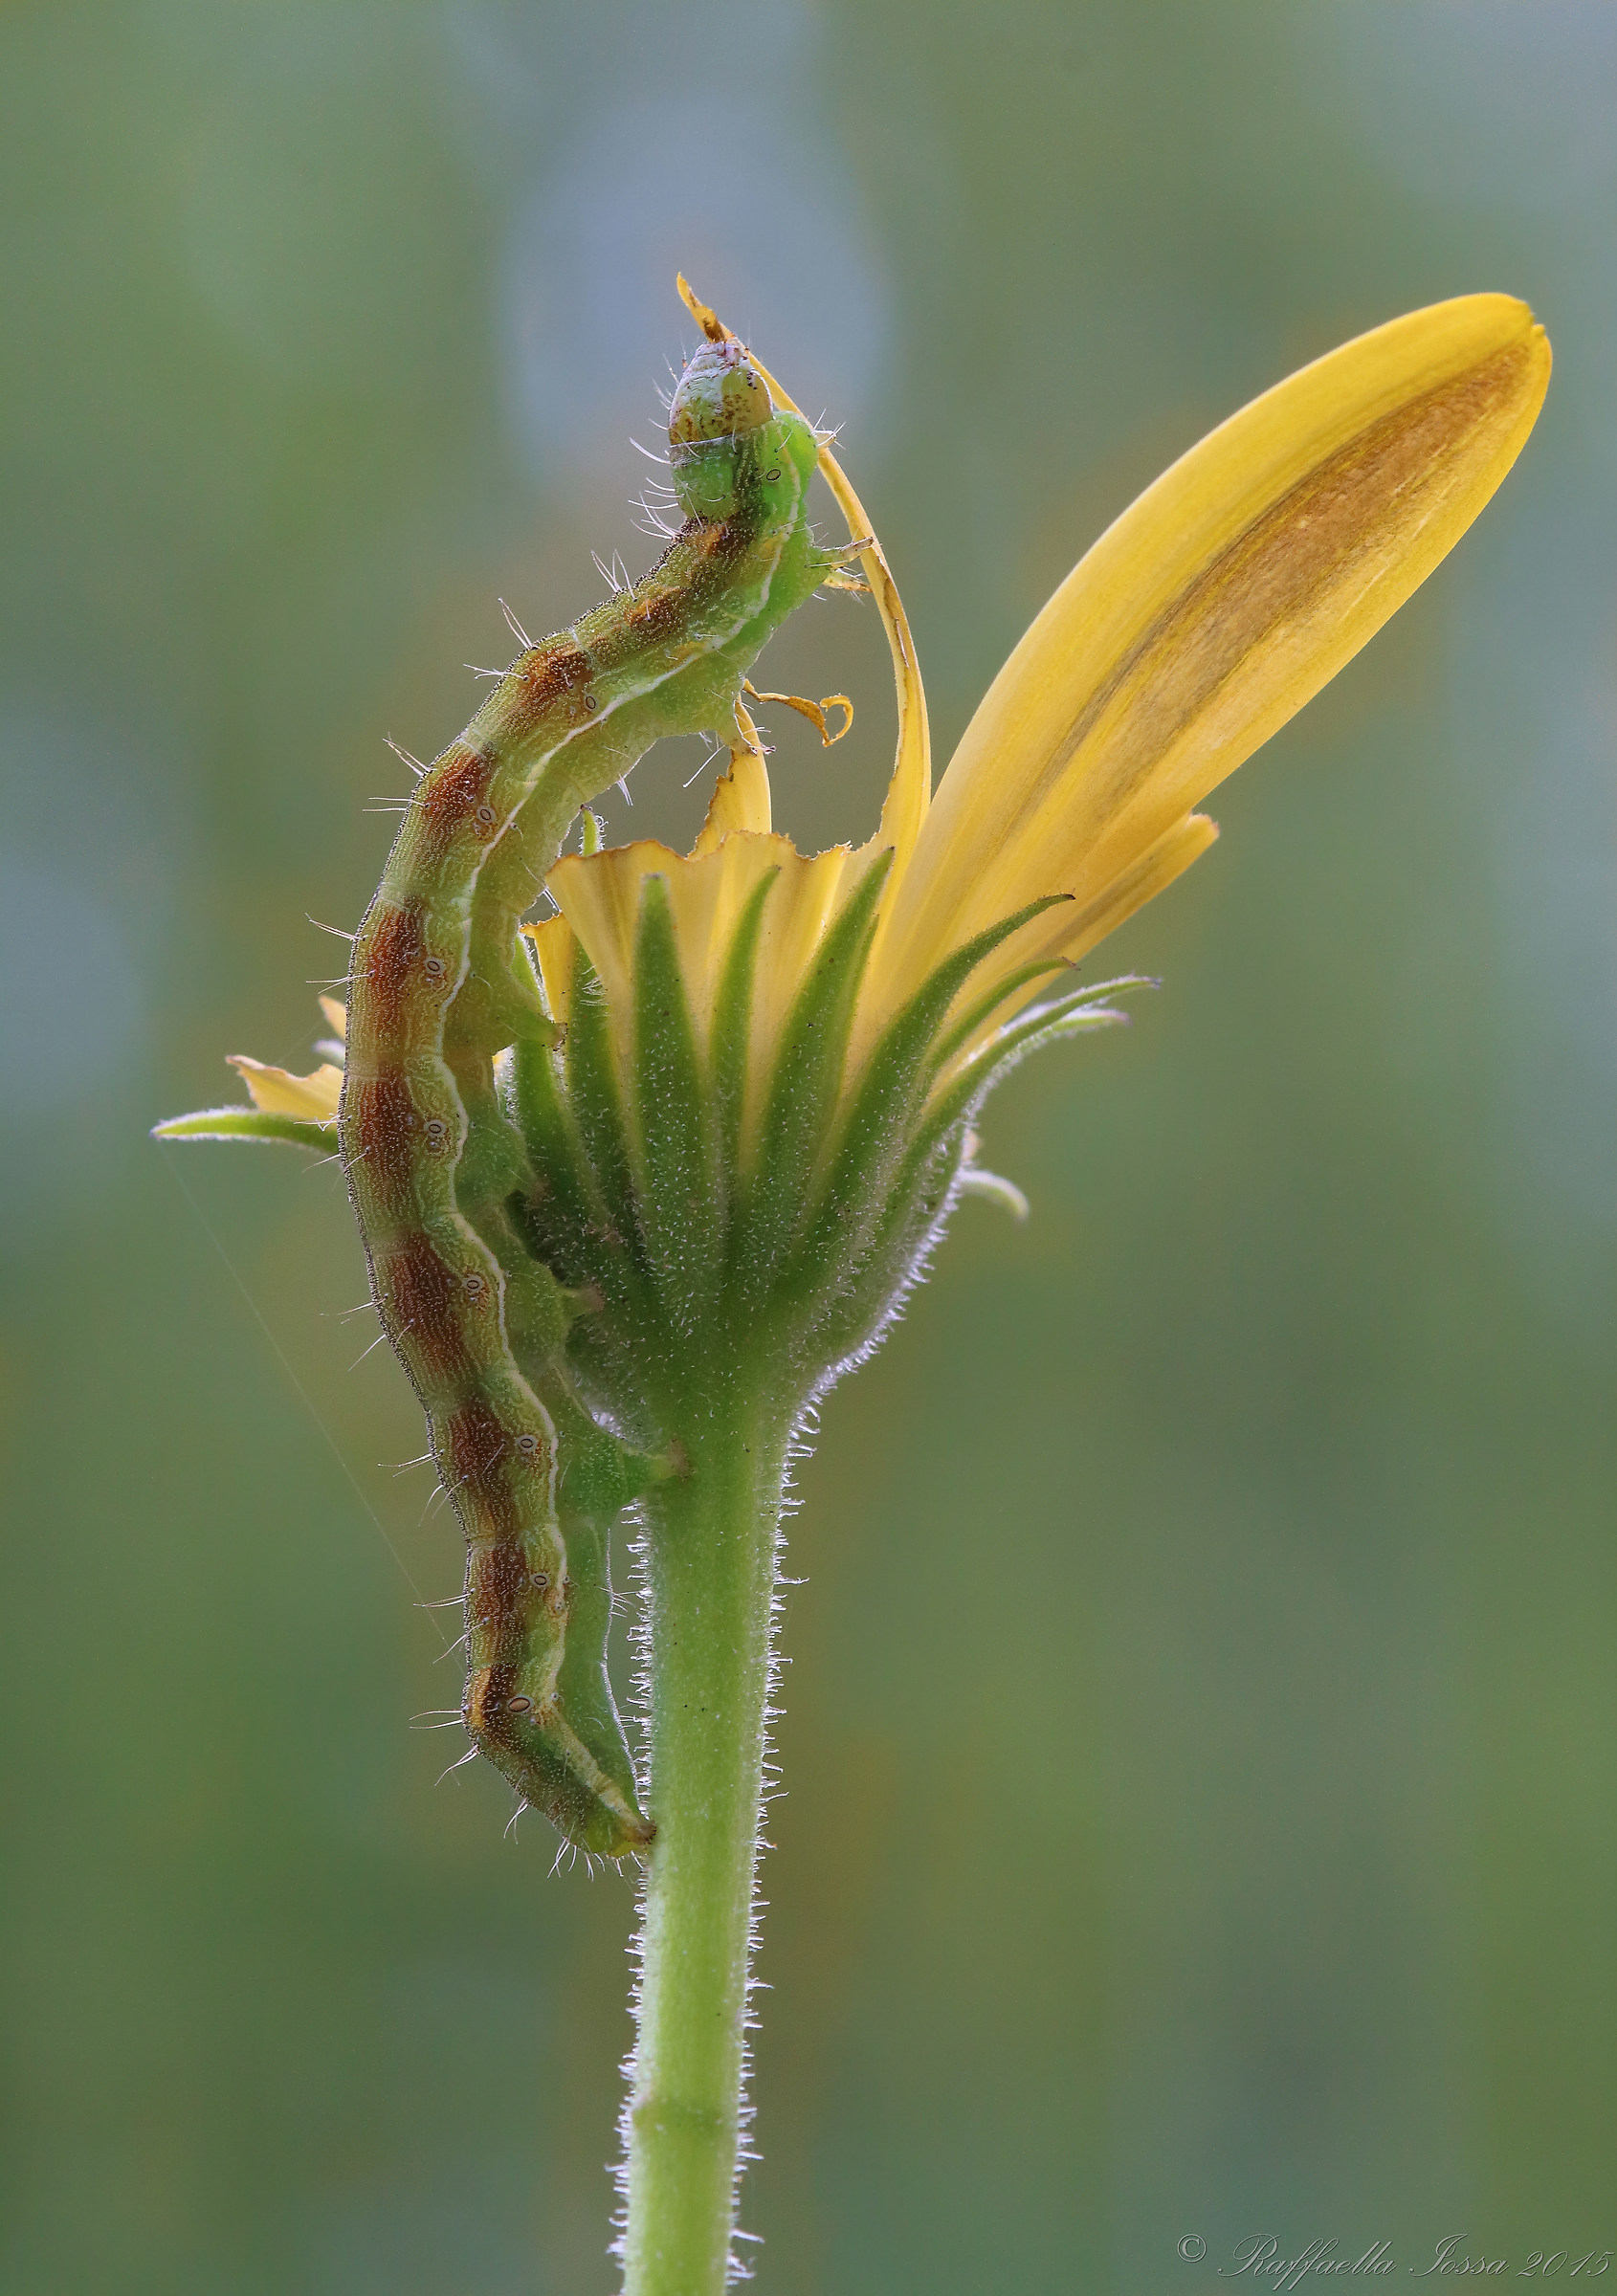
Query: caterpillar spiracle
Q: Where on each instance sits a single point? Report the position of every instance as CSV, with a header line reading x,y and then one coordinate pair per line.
x,y
441,984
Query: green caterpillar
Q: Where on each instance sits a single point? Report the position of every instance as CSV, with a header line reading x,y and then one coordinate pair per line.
x,y
441,984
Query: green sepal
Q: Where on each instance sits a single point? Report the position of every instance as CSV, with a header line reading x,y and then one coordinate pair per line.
x,y
1045,1025
249,1124
847,1203
994,1188
679,1214
597,1102
1070,1000
916,1194
732,1025
979,1010
893,1254
563,1217
803,1088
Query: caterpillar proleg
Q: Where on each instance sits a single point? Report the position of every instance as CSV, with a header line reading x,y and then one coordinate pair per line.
x,y
441,984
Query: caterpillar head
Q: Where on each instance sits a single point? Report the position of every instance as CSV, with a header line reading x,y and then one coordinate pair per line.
x,y
720,402
720,393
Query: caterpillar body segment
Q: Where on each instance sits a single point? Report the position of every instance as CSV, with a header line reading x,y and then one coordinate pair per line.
x,y
440,984
556,1734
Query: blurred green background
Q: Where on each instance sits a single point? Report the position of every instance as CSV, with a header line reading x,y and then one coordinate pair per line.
x,y
1200,1725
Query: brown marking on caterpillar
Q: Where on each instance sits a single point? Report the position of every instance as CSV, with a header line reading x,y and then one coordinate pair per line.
x,y
395,954
426,1300
478,1439
556,681
709,550
497,1600
495,1710
482,1454
454,794
712,544
487,1689
384,1120
658,616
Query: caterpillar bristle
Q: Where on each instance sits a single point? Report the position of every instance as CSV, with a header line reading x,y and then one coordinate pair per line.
x,y
650,521
703,766
414,764
515,626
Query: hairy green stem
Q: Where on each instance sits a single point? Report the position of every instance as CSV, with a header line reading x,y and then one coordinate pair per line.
x,y
710,1556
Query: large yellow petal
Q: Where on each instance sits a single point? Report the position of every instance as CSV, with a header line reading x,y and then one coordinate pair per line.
x,y
1226,597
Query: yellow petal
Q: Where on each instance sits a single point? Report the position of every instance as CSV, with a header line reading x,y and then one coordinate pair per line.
x,y
599,896
1226,597
336,1018
909,792
741,800
280,1094
554,944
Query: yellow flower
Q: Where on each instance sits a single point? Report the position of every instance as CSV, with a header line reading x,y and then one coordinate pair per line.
x,y
1214,608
